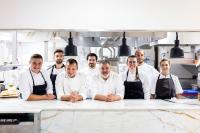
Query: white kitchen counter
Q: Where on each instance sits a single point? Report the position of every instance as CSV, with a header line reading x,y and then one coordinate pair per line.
x,y
13,105
126,116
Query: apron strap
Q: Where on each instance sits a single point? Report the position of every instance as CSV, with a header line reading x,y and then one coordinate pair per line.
x,y
127,75
173,91
169,81
32,77
43,77
52,69
157,81
63,65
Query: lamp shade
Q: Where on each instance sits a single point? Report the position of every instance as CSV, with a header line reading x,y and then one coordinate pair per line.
x,y
176,51
70,49
124,49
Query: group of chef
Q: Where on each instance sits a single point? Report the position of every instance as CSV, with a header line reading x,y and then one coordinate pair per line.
x,y
65,82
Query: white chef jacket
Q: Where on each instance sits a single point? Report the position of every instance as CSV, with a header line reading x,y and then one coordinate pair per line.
x,y
92,72
143,78
26,82
113,84
89,73
65,85
55,70
177,85
148,70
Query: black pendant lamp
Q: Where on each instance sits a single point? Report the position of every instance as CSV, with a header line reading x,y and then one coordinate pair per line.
x,y
70,49
176,51
124,49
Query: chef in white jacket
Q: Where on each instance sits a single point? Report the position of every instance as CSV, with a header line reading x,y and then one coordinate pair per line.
x,y
136,82
56,68
107,85
71,85
144,67
165,85
92,68
34,82
90,71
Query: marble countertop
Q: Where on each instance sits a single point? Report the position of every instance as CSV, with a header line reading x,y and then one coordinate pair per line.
x,y
13,105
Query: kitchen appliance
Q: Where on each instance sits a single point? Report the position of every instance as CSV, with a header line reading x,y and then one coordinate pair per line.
x,y
19,123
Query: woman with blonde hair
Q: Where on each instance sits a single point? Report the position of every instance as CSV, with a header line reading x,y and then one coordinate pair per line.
x,y
165,85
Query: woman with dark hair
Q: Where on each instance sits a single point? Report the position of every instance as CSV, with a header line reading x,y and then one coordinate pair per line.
x,y
135,82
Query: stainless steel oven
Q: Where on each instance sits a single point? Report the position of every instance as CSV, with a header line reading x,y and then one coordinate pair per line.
x,y
19,123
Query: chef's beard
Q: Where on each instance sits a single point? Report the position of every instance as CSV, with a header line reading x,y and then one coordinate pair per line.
x,y
140,61
105,76
59,61
92,65
71,76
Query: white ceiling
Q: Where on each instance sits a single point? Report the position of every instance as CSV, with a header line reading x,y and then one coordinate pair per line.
x,y
101,15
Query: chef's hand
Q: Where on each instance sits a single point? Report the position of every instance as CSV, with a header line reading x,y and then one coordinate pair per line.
x,y
50,96
74,97
110,98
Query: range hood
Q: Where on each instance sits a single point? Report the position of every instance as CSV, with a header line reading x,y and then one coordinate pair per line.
x,y
93,39
113,39
176,52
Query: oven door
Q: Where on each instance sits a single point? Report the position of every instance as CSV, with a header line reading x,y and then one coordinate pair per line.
x,y
19,123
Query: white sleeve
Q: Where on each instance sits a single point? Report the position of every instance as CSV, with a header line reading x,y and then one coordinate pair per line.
x,y
93,87
123,76
59,84
155,72
87,85
83,89
145,84
153,85
177,85
24,86
49,70
120,87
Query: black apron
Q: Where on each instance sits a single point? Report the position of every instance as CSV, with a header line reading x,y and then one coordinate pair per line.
x,y
133,89
39,89
165,88
53,79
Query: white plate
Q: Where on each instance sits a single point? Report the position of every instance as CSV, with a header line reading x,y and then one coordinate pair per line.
x,y
10,96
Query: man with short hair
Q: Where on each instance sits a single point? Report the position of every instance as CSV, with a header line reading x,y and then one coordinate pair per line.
x,y
90,71
57,68
92,60
144,67
71,85
34,83
107,85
